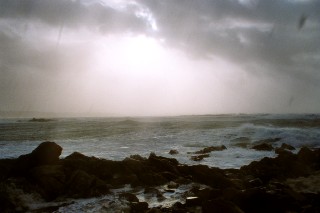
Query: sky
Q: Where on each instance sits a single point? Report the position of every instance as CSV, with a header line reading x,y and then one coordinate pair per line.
x,y
160,57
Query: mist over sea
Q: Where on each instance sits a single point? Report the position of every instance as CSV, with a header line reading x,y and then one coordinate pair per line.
x,y
118,138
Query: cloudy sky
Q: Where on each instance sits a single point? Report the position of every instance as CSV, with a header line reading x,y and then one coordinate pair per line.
x,y
160,57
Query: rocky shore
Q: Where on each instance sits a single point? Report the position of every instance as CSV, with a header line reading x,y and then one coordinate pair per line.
x,y
288,183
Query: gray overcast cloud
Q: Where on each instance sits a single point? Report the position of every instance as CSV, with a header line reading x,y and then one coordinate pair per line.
x,y
53,53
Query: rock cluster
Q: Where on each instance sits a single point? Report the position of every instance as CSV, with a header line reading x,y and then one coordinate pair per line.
x,y
258,187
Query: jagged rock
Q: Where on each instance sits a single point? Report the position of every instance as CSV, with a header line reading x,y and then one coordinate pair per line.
x,y
265,201
172,185
269,140
162,163
213,177
47,153
138,207
199,157
82,185
263,147
173,152
287,146
129,197
152,179
220,206
307,156
211,149
261,186
51,180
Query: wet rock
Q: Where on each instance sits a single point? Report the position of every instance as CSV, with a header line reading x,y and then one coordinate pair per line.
x,y
40,120
199,157
151,179
307,156
154,210
193,201
220,206
281,151
207,193
138,207
211,149
83,185
151,192
50,179
287,146
263,147
282,167
269,140
210,176
242,142
129,197
262,200
173,152
45,154
162,163
256,182
172,185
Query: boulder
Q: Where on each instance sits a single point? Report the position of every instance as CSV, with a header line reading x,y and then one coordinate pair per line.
x,y
287,146
173,152
50,180
129,197
162,163
199,157
211,149
84,185
47,153
220,206
263,147
138,207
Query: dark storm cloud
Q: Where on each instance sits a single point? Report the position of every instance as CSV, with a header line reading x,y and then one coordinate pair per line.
x,y
264,37
266,30
72,14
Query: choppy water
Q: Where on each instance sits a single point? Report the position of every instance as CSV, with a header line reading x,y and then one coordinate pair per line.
x,y
117,138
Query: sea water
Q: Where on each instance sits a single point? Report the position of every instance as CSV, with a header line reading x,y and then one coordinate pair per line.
x,y
118,138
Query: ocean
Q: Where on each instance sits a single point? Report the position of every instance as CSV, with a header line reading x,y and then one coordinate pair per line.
x,y
118,138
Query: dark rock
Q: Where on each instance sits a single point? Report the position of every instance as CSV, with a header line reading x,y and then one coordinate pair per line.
x,y
263,147
172,185
220,206
163,164
260,200
211,149
47,153
282,151
40,120
173,152
269,140
213,177
207,193
138,207
154,210
153,192
307,156
152,179
129,197
199,157
282,167
193,201
83,185
287,146
257,182
51,180
242,142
